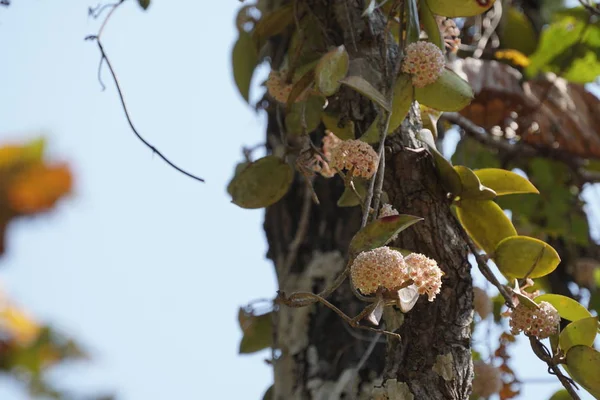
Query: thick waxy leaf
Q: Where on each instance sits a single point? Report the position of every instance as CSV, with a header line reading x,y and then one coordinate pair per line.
x,y
371,136
518,32
583,364
349,198
261,183
257,331
412,16
300,88
449,93
459,8
567,307
332,68
504,182
273,24
144,4
363,87
430,26
305,116
485,222
562,394
342,129
430,118
379,232
523,256
472,188
401,101
244,58
582,331
449,176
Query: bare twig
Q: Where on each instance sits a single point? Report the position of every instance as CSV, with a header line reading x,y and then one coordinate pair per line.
x,y
105,58
301,231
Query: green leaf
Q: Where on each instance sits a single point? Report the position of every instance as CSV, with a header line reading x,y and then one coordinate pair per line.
x,y
523,256
518,32
430,26
412,16
567,307
258,331
401,101
144,4
261,183
562,394
371,136
273,24
459,8
349,198
332,68
450,178
430,118
244,58
472,189
582,331
485,222
379,232
305,116
299,88
363,87
504,182
583,364
342,129
449,93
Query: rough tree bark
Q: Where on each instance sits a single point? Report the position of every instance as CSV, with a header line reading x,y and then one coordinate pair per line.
x,y
317,353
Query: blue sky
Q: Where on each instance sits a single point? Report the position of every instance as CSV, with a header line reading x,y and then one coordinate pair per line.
x,y
144,266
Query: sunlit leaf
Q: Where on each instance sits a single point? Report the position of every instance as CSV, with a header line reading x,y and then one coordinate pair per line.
x,y
562,394
430,26
450,178
413,25
363,87
38,188
332,67
518,32
379,232
485,222
504,182
523,256
472,189
401,101
449,93
583,364
459,8
261,183
566,306
582,331
244,60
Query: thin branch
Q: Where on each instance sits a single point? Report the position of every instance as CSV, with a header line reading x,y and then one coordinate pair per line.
x,y
121,97
301,231
595,10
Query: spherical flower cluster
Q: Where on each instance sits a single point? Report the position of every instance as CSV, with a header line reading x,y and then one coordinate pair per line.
x,y
541,322
380,267
425,273
487,380
279,89
425,62
481,303
449,32
356,156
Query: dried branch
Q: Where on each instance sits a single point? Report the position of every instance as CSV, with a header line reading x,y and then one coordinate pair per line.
x,y
104,58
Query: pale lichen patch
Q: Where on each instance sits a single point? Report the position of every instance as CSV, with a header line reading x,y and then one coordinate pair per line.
x,y
443,366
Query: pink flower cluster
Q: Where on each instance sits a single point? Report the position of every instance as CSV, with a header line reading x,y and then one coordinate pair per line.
x,y
540,322
487,381
387,268
425,273
449,32
280,90
356,156
425,62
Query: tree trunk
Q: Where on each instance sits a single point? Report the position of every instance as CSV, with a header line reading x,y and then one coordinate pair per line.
x,y
316,351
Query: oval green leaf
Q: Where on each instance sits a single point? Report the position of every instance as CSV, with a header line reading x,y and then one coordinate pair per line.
x,y
523,256
363,87
379,232
261,183
349,198
449,93
305,116
567,307
332,67
562,394
342,129
273,24
371,136
401,101
504,182
430,26
244,60
582,331
450,178
485,222
583,364
459,8
412,17
472,188
257,331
